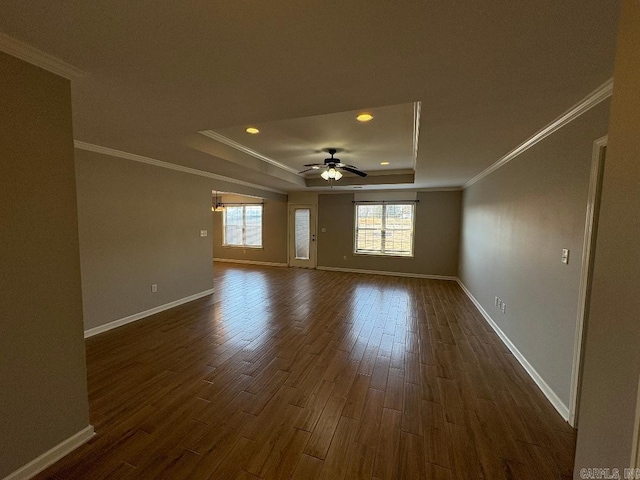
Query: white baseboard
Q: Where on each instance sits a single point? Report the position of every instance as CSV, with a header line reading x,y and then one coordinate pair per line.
x,y
390,274
250,262
558,404
137,316
50,457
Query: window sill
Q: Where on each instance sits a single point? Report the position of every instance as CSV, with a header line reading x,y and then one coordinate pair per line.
x,y
382,255
252,247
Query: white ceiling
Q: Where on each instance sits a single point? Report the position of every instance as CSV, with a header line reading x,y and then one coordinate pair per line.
x,y
488,74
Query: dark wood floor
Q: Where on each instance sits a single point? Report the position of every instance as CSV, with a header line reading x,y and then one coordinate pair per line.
x,y
289,373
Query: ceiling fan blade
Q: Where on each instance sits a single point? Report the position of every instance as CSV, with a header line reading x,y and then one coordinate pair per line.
x,y
307,170
314,165
354,170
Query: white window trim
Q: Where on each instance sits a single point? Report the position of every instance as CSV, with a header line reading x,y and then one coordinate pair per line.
x,y
244,226
382,253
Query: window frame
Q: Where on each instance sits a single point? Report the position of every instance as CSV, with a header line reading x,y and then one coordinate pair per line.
x,y
244,226
383,229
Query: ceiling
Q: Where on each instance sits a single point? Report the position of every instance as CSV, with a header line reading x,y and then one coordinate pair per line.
x,y
384,146
488,75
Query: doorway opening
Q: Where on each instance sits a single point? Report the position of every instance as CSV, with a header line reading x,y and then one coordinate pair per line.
x,y
588,251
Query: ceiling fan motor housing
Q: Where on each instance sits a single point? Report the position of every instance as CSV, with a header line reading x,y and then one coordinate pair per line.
x,y
331,161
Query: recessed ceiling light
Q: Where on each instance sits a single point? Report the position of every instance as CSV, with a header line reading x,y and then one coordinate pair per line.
x,y
364,117
252,130
384,163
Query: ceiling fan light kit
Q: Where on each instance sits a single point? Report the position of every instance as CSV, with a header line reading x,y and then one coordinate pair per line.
x,y
331,174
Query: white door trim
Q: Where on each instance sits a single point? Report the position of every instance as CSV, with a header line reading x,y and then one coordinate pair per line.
x,y
635,447
595,181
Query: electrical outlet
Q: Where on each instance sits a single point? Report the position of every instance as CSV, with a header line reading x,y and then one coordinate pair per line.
x,y
203,233
154,288
344,257
565,255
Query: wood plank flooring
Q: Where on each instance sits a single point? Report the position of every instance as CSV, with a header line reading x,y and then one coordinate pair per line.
x,y
290,373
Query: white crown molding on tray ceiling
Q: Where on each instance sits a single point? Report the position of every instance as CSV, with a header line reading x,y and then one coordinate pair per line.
x,y
37,57
417,109
172,166
241,148
600,94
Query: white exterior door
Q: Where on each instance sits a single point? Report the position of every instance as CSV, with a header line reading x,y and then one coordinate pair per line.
x,y
302,236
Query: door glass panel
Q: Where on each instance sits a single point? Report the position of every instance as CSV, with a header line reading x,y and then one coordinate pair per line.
x,y
302,225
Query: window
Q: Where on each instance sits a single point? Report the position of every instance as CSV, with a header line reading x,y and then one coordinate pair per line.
x,y
242,226
384,229
302,228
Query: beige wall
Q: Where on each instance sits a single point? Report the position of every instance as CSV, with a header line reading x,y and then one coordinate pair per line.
x,y
139,225
612,350
516,221
437,233
43,389
274,233
303,198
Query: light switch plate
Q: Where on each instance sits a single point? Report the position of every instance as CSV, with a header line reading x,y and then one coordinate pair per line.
x,y
203,233
565,255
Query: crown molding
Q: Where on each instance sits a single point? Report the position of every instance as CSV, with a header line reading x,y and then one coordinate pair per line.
x,y
241,148
171,166
440,189
395,171
600,94
372,181
37,57
417,109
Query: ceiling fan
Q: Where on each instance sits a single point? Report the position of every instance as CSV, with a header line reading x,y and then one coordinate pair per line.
x,y
332,167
